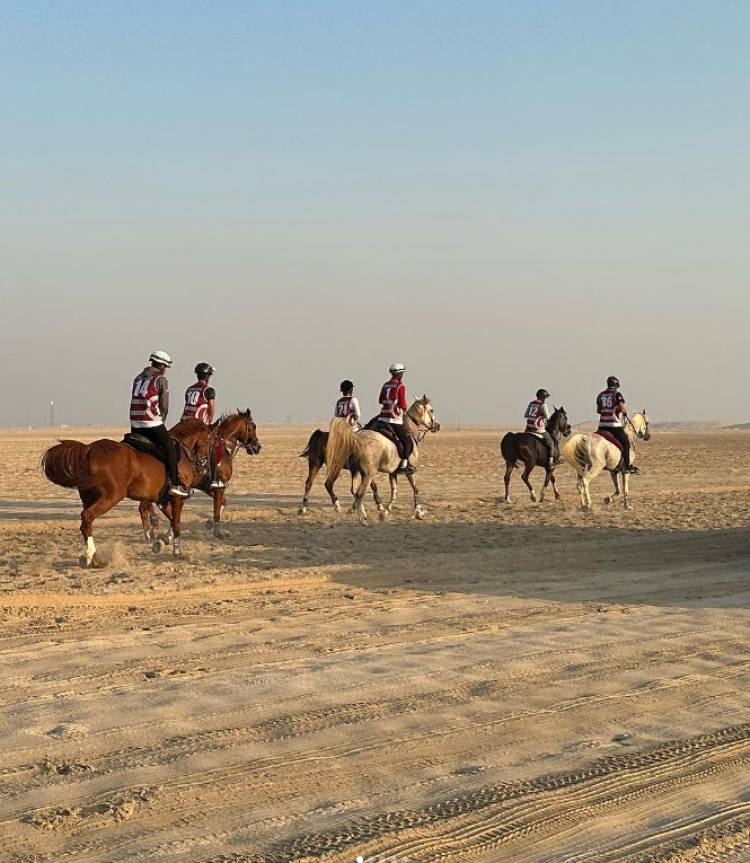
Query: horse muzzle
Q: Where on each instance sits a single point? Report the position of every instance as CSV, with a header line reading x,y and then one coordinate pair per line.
x,y
253,448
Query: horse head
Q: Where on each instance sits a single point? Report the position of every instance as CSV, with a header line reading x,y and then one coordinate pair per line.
x,y
558,422
423,414
640,425
248,436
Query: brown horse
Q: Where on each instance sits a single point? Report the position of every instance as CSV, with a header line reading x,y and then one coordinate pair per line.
x,y
105,472
531,450
315,453
224,438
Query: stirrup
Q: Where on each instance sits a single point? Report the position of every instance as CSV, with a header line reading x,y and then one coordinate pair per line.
x,y
178,491
218,483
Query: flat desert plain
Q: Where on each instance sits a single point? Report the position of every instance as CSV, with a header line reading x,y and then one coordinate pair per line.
x,y
517,683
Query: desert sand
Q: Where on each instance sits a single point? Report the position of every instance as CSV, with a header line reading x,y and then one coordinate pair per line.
x,y
517,683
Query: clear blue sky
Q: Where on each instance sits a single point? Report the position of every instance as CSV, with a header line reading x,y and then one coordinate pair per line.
x,y
502,195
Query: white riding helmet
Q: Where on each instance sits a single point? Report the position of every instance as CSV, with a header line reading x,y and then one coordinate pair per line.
x,y
396,368
161,357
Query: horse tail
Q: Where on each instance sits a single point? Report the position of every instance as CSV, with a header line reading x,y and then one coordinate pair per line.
x,y
582,453
342,444
67,464
316,446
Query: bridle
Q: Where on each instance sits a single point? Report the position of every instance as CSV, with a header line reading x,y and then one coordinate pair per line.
x,y
233,445
422,428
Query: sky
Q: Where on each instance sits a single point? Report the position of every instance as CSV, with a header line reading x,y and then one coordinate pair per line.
x,y
502,195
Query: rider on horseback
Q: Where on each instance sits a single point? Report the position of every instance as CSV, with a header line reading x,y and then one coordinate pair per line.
x,y
536,416
200,400
610,405
149,406
347,407
392,406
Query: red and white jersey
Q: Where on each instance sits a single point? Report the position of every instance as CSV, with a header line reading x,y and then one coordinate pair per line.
x,y
536,416
144,402
607,406
393,402
196,403
347,408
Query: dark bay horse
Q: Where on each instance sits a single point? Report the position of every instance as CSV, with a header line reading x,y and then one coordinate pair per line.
x,y
106,472
532,451
224,439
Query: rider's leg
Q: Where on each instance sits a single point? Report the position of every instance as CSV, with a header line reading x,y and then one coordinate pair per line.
x,y
619,433
407,445
161,437
549,440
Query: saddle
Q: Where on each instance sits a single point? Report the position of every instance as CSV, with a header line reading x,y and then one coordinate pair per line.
x,y
144,445
386,429
609,437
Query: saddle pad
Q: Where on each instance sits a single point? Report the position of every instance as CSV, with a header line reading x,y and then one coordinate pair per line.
x,y
611,438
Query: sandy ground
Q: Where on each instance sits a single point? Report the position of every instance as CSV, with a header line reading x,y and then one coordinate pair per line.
x,y
519,683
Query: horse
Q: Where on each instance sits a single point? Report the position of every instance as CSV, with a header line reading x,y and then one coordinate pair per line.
x,y
532,451
373,453
225,437
106,472
590,454
315,453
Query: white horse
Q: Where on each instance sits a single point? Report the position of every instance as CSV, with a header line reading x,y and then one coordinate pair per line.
x,y
374,453
590,454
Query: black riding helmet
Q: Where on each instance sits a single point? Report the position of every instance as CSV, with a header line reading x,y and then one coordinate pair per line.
x,y
542,394
613,381
346,386
204,370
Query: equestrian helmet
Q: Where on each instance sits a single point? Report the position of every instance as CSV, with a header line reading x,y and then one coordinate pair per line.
x,y
542,394
160,358
204,370
613,381
397,368
346,386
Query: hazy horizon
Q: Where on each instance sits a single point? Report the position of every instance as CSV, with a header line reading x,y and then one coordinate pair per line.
x,y
502,196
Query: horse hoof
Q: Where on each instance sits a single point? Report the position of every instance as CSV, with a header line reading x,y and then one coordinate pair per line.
x,y
533,497
153,534
157,546
165,538
302,510
220,534
383,514
209,524
337,506
83,562
607,501
420,513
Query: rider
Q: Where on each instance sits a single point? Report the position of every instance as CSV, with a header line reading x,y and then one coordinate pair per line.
x,y
536,416
392,406
610,405
347,407
149,406
200,398
200,401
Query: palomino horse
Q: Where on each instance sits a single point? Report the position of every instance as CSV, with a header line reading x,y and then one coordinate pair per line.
x,y
373,453
590,454
532,451
315,453
105,472
225,437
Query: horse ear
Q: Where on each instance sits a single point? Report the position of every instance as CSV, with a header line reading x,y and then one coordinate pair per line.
x,y
425,400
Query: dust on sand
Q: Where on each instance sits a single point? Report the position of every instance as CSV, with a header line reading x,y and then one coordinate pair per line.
x,y
519,683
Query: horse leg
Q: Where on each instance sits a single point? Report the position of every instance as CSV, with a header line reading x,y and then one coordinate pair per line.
x,y
147,514
95,503
626,490
610,498
330,480
419,510
509,465
354,486
376,496
176,513
314,469
525,477
217,497
554,484
359,499
547,477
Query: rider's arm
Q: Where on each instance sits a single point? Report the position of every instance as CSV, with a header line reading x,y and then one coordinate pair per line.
x,y
355,409
402,397
546,412
162,385
621,406
210,394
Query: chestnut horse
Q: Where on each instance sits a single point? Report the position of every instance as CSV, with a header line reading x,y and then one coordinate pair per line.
x,y
106,472
225,438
